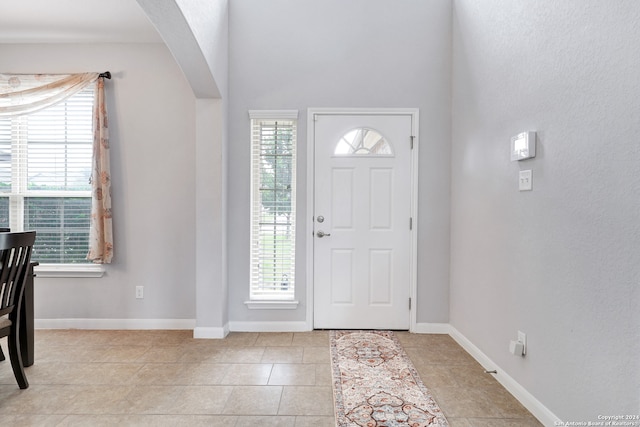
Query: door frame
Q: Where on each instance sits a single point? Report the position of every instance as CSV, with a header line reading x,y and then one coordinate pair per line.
x,y
413,262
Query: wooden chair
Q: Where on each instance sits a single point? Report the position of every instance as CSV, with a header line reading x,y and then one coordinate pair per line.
x,y
3,230
15,256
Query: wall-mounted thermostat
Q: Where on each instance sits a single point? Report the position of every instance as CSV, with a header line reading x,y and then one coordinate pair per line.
x,y
523,146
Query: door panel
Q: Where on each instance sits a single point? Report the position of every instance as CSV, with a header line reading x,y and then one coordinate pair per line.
x,y
362,206
342,198
341,276
380,284
381,207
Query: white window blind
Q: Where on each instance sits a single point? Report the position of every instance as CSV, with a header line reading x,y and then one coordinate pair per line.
x,y
273,201
45,167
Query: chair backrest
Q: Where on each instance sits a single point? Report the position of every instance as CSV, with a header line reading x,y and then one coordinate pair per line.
x,y
15,256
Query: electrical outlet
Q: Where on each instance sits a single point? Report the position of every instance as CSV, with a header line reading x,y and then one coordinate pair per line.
x,y
525,180
139,292
522,338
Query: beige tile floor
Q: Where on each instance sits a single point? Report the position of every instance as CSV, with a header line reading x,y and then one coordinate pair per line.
x,y
167,378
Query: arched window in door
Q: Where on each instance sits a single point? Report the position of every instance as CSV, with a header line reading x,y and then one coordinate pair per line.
x,y
363,142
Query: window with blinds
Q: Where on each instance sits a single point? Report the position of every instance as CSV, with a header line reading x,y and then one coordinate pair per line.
x,y
45,167
273,202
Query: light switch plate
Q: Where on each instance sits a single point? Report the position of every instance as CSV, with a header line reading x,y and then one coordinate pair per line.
x,y
525,180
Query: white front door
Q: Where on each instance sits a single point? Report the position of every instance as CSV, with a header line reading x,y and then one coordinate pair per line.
x,y
362,209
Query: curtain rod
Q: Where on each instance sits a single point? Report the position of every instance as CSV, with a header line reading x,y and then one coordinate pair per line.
x,y
106,75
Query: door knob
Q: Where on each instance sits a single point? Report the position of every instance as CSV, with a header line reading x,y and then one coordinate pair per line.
x,y
322,234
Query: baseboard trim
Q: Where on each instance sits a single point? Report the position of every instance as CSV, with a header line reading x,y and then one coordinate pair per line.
x,y
432,328
269,326
109,324
200,332
541,412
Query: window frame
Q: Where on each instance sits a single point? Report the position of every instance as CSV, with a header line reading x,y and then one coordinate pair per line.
x,y
20,193
276,300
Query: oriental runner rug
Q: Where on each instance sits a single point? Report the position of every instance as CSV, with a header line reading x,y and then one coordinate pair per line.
x,y
376,385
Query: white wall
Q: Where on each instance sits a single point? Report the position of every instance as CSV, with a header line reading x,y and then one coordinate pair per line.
x,y
152,135
335,53
196,32
560,263
209,21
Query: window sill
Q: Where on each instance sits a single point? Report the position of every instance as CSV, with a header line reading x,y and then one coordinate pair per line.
x,y
271,305
69,270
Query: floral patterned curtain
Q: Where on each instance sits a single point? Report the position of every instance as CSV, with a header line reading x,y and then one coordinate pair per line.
x,y
101,234
27,93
